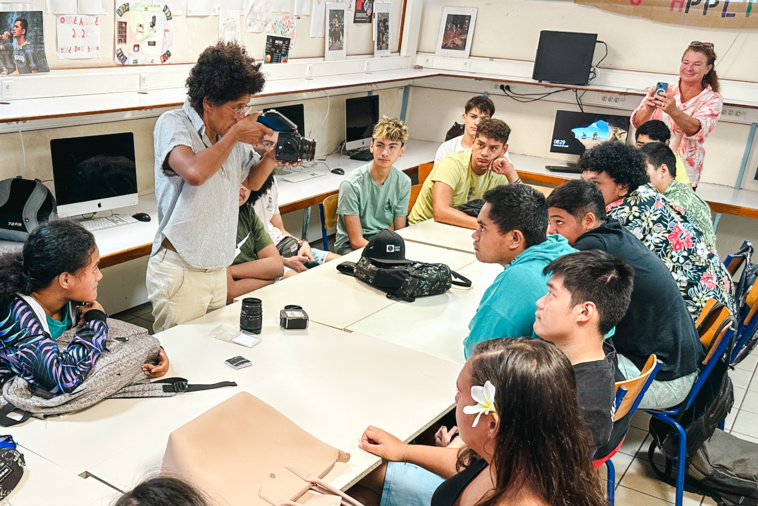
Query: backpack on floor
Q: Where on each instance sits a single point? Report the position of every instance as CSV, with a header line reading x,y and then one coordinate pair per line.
x,y
117,373
25,204
408,281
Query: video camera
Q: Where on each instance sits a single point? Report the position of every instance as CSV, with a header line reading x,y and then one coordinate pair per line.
x,y
291,146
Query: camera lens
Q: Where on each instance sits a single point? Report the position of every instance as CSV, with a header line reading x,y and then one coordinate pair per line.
x,y
251,315
307,149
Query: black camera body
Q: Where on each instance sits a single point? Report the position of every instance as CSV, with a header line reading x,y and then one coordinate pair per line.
x,y
291,146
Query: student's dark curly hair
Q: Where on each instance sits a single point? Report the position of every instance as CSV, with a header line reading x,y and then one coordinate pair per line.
x,y
623,163
51,249
492,128
223,73
163,491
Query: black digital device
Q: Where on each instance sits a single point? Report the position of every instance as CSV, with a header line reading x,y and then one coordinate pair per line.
x,y
291,146
361,115
576,132
564,57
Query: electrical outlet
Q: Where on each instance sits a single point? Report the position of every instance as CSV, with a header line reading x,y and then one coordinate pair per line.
x,y
613,99
8,88
366,67
143,81
733,112
309,71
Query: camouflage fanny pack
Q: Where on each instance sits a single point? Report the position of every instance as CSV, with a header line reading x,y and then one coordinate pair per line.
x,y
408,281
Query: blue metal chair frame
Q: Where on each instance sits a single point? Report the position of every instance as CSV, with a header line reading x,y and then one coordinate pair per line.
x,y
324,239
670,415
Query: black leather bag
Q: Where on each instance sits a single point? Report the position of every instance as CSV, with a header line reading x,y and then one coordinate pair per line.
x,y
24,205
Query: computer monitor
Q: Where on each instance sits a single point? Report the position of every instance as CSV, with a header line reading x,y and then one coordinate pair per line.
x,y
295,113
361,115
564,57
94,173
576,132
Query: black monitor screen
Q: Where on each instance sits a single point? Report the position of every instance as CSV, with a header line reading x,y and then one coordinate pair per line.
x,y
564,57
575,132
361,115
94,167
294,113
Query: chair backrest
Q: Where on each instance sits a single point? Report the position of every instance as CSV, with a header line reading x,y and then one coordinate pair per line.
x,y
330,211
716,347
545,190
733,261
635,388
423,171
751,300
710,321
415,190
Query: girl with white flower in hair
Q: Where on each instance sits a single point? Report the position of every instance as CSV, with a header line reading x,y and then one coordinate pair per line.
x,y
526,443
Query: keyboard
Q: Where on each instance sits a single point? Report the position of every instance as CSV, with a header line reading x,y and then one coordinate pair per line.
x,y
363,155
296,177
115,220
570,168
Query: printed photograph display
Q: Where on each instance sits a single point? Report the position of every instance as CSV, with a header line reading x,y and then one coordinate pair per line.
x,y
382,35
456,32
335,31
144,33
364,11
22,43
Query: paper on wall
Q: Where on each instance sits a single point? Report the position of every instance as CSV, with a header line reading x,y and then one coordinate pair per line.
x,y
302,8
92,7
179,7
281,6
144,33
318,18
59,6
78,37
283,26
229,26
258,16
202,7
231,5
15,5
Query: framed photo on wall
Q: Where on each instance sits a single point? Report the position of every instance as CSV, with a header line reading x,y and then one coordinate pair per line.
x,y
456,32
335,32
382,34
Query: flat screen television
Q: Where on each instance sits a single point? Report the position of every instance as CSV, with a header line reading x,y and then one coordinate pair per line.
x,y
295,113
564,57
361,115
94,173
576,132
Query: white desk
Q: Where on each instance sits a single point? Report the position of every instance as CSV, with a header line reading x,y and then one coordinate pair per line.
x,y
433,325
46,483
338,300
331,383
440,234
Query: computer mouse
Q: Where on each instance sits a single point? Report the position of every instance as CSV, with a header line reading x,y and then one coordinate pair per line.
x,y
141,217
339,171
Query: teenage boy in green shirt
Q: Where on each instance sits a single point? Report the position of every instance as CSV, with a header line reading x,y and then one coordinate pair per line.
x,y
375,196
465,176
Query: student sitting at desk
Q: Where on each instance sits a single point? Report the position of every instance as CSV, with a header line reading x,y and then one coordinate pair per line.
x,y
660,164
266,204
47,289
656,130
203,152
257,262
511,233
465,176
663,227
657,320
477,109
375,196
510,392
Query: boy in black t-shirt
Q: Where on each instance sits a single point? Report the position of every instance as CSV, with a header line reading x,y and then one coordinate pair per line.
x,y
588,294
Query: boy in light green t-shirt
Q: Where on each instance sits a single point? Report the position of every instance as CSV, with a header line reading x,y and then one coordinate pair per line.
x,y
375,196
465,176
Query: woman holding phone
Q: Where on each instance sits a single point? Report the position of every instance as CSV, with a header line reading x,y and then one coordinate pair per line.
x,y
690,108
49,287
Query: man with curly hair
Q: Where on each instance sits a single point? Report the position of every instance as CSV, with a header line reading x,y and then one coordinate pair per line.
x,y
465,176
662,226
203,152
375,196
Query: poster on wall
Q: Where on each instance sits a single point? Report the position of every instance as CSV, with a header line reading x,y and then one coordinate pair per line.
x,y
78,37
277,49
456,32
143,33
364,11
336,35
382,29
713,14
22,43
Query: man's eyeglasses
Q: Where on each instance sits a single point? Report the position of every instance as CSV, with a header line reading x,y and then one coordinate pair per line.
x,y
706,45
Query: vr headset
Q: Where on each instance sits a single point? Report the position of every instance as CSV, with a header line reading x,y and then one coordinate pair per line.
x,y
24,205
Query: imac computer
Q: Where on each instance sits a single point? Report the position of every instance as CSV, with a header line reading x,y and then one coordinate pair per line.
x,y
94,173
361,115
576,132
295,113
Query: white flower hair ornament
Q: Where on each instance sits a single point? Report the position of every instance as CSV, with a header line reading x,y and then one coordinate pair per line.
x,y
485,401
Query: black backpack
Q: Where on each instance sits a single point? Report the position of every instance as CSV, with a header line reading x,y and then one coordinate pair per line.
x,y
746,340
405,281
24,205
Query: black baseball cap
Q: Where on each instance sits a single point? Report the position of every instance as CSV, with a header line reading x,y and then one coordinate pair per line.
x,y
386,247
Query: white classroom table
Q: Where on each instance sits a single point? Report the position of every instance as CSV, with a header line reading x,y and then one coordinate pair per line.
x,y
433,325
45,483
331,383
335,299
439,234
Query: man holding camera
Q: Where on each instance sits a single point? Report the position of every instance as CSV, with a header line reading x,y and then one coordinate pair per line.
x,y
203,152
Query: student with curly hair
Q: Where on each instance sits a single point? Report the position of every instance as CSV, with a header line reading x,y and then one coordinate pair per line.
x,y
465,176
203,152
663,227
375,196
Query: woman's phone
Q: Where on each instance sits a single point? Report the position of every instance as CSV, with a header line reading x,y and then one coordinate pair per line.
x,y
661,88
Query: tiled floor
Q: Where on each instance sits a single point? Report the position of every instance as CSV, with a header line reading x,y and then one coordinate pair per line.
x,y
636,482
